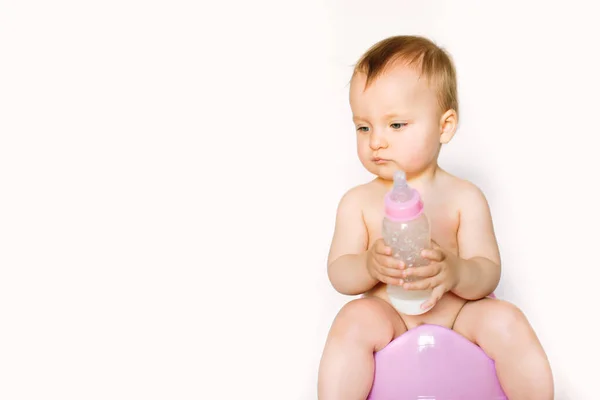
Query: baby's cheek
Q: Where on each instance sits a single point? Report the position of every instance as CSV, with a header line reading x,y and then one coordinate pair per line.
x,y
423,152
364,153
417,158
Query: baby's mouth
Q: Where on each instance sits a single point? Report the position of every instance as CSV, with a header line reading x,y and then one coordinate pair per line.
x,y
378,160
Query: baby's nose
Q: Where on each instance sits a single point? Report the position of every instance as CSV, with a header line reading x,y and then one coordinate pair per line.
x,y
377,141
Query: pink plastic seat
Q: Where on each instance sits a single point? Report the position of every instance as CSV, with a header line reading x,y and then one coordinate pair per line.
x,y
433,362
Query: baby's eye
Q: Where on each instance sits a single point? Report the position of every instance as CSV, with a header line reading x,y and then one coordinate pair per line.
x,y
363,129
397,125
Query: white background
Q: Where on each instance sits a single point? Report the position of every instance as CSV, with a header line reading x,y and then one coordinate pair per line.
x,y
169,174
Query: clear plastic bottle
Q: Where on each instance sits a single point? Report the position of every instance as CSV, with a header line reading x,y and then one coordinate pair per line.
x,y
406,231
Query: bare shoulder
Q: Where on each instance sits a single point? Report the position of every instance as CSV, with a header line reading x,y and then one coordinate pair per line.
x,y
466,193
359,196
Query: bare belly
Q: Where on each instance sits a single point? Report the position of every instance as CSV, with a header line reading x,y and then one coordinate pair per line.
x,y
444,313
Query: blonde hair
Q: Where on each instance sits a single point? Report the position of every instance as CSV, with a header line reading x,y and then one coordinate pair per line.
x,y
415,51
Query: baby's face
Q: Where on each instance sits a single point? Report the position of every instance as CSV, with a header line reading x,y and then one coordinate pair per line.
x,y
398,122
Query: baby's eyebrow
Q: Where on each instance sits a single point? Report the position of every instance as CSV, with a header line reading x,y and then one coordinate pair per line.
x,y
394,115
386,116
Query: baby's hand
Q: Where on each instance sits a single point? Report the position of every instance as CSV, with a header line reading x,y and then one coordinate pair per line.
x,y
382,266
441,275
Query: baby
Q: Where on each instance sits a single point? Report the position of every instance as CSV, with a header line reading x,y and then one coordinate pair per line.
x,y
403,98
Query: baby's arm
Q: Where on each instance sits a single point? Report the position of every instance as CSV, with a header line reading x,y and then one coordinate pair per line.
x,y
479,269
346,265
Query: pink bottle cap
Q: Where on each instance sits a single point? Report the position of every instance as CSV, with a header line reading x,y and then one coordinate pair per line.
x,y
403,210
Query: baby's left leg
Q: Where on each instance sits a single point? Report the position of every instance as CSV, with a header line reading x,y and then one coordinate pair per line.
x,y
505,335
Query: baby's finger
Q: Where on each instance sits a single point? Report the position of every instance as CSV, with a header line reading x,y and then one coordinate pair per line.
x,y
436,295
422,284
382,248
389,279
389,262
390,272
423,272
433,254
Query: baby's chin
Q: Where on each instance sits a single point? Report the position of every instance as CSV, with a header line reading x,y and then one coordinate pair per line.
x,y
387,169
383,171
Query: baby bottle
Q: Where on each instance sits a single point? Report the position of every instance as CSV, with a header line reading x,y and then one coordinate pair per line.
x,y
406,231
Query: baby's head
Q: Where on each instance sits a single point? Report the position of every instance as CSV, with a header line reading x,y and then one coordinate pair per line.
x,y
404,103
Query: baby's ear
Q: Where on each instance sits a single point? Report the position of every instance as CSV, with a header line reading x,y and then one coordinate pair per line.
x,y
448,125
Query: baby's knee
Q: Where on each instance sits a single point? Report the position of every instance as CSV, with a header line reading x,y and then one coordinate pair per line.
x,y
506,320
363,319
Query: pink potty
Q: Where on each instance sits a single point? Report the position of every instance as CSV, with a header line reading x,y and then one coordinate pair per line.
x,y
432,362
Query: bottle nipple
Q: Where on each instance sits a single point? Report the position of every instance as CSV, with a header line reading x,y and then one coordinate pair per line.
x,y
401,192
